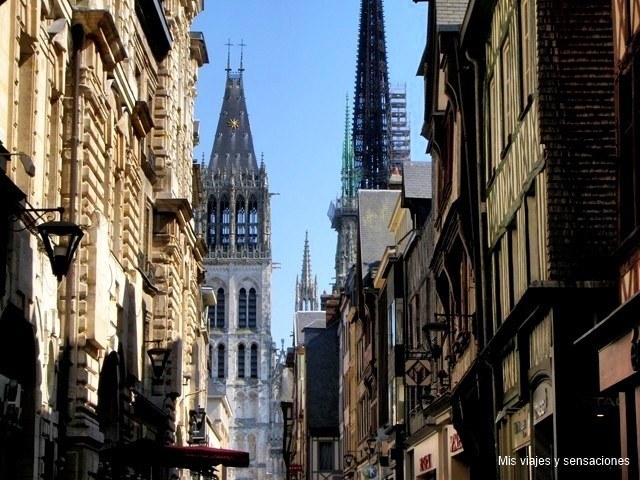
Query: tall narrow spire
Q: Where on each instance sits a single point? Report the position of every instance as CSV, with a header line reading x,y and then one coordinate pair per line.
x,y
371,108
349,178
229,45
306,288
242,45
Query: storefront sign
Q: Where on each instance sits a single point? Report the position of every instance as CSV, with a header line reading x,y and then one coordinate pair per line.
x,y
425,463
520,430
293,468
455,444
630,282
542,402
615,361
370,472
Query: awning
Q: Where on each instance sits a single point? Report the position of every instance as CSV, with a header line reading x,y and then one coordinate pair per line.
x,y
201,459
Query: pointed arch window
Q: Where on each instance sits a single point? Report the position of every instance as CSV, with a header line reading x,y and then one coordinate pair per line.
x,y
221,361
217,312
211,221
253,221
241,222
225,221
253,307
242,309
254,361
241,361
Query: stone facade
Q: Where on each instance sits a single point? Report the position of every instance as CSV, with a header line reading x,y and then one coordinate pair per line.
x,y
99,96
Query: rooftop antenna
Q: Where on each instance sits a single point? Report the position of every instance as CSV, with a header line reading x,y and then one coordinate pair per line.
x,y
242,45
229,45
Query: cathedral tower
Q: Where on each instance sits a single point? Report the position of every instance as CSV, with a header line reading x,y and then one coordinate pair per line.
x,y
236,228
371,110
343,212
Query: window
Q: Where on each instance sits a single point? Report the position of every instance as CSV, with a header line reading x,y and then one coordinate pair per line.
x,y
325,455
629,147
211,221
225,228
217,312
254,361
221,359
528,50
241,361
240,222
242,309
253,222
252,308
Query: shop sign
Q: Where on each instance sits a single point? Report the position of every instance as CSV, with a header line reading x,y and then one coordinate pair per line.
x,y
615,360
455,444
521,430
370,472
630,282
293,468
425,462
542,402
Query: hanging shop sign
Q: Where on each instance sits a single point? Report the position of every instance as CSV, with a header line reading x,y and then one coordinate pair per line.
x,y
542,402
455,444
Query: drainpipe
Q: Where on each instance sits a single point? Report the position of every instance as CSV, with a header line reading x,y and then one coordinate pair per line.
x,y
68,377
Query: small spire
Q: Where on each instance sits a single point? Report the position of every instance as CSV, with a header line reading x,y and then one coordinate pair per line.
x,y
306,288
349,179
242,45
229,45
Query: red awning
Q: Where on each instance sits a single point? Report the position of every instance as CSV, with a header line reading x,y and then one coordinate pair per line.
x,y
148,452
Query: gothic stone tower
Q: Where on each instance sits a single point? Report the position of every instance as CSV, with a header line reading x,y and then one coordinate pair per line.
x,y
343,213
238,266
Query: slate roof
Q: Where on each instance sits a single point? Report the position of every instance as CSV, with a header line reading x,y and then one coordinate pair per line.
x,y
233,146
308,320
375,208
322,355
416,180
450,13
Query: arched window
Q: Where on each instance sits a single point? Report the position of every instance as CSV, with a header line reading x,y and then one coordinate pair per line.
x,y
253,222
220,310
225,224
241,221
242,309
254,361
252,308
211,221
217,312
241,361
221,361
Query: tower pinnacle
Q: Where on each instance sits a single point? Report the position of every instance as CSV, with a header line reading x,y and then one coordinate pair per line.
x,y
306,288
349,178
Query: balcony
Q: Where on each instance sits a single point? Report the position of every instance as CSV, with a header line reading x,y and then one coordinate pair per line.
x,y
154,24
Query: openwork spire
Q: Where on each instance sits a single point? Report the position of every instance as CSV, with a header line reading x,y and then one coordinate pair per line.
x,y
306,288
349,177
371,104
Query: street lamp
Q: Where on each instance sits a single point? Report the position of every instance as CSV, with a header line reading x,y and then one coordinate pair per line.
x,y
159,358
348,459
371,445
61,240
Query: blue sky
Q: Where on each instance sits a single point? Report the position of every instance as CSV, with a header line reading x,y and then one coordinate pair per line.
x,y
299,64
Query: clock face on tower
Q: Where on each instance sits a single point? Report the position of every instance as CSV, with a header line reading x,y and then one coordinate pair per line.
x,y
233,123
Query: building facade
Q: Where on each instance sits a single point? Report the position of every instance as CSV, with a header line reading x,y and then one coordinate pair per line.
x,y
96,116
236,223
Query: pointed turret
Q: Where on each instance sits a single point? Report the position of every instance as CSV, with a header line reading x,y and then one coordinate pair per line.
x,y
371,109
306,289
349,177
233,144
